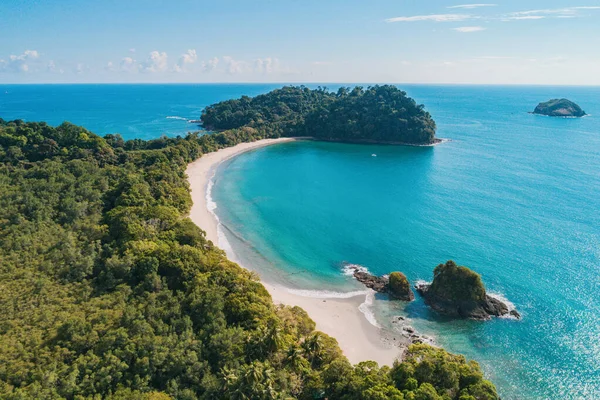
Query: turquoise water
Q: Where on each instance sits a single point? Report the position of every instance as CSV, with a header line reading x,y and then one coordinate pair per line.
x,y
514,196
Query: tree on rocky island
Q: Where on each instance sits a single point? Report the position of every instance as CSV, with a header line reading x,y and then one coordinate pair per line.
x,y
395,284
559,108
451,281
458,291
399,287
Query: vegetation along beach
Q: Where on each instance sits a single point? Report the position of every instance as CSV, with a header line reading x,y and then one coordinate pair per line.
x,y
281,200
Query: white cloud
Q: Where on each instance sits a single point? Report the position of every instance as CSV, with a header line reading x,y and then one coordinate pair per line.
x,y
567,12
233,66
469,29
471,6
128,64
525,17
110,66
210,65
266,65
189,57
321,63
156,62
19,63
433,17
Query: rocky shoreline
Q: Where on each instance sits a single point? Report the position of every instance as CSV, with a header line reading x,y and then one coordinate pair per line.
x,y
456,291
483,310
397,287
410,333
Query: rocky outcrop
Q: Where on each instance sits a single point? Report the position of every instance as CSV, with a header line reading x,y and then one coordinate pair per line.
x,y
559,108
396,285
458,292
377,283
399,287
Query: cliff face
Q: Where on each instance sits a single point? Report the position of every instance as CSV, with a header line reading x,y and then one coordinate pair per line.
x,y
559,108
457,291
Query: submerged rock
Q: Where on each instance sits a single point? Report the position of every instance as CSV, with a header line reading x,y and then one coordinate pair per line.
x,y
559,108
458,292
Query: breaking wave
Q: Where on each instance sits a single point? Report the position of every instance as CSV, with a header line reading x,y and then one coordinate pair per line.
x,y
327,294
177,117
348,269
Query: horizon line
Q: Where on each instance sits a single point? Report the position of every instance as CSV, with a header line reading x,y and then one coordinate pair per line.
x,y
307,83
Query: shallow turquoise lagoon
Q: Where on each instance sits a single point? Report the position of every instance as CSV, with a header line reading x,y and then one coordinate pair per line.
x,y
514,196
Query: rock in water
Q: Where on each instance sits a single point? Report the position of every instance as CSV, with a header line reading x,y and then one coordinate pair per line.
x,y
377,283
396,285
559,108
399,287
458,292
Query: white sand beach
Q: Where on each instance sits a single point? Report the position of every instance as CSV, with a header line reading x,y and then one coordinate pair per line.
x,y
339,318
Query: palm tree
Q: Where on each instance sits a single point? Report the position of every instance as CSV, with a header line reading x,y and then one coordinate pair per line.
x,y
294,355
313,347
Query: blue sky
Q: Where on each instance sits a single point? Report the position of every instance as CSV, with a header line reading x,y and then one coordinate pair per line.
x,y
410,41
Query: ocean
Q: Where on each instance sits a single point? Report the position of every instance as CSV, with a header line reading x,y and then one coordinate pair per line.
x,y
514,196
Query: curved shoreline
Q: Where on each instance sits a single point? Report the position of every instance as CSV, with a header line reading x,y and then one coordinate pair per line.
x,y
340,318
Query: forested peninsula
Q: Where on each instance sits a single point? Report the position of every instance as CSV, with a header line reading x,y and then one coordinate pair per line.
x,y
378,114
108,290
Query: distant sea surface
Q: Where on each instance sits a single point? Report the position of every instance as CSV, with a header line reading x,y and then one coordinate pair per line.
x,y
514,196
134,111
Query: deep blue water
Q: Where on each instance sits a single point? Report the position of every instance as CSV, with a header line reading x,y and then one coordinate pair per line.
x,y
134,111
513,196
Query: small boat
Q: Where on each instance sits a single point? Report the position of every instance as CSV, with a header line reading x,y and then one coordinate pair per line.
x,y
373,155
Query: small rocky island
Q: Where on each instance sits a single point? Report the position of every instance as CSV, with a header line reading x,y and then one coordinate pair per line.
x,y
459,292
559,108
395,285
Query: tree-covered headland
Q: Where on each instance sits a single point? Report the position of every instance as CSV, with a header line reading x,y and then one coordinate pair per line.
x,y
108,290
378,114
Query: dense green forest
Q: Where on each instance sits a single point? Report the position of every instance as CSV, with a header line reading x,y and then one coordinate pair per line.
x,y
382,114
108,290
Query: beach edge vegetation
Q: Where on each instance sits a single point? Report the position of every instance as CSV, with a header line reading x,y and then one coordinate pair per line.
x,y
377,114
110,291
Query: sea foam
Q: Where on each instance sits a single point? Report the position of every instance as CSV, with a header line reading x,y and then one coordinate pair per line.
x,y
367,311
509,304
365,307
177,117
222,240
349,269
327,294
